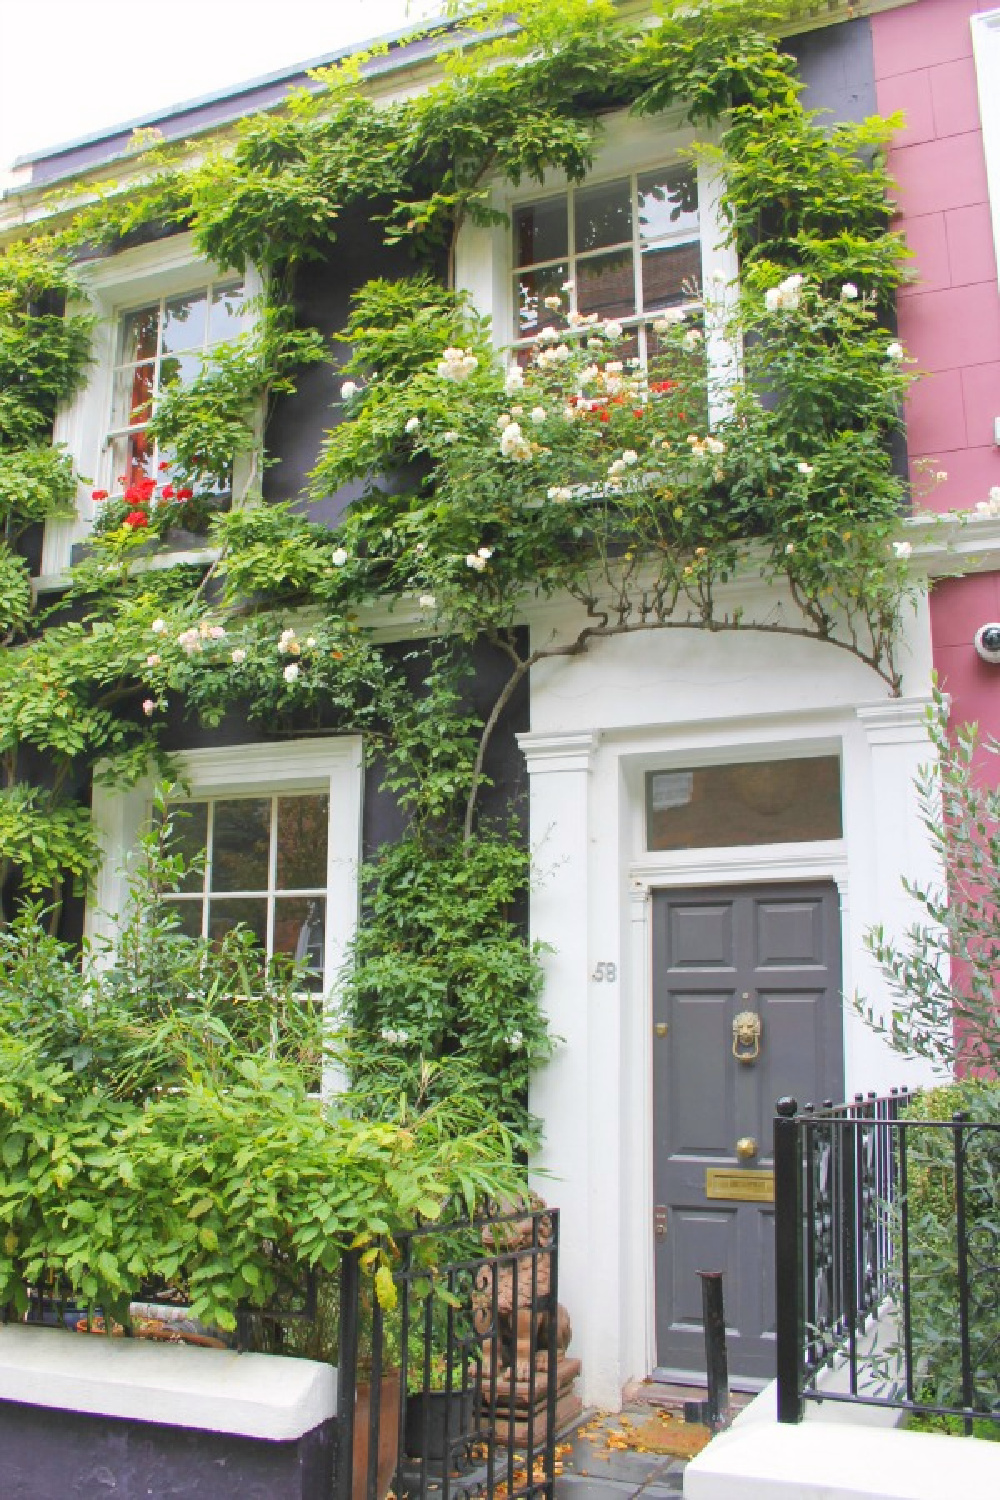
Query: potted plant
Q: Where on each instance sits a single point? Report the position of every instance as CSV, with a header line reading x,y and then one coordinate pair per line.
x,y
440,1408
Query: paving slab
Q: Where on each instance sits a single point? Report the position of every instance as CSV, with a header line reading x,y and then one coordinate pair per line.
x,y
591,1470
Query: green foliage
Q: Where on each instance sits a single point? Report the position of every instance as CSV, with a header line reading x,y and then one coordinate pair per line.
x,y
15,593
44,840
441,969
156,1120
934,1278
36,483
942,972
205,422
43,350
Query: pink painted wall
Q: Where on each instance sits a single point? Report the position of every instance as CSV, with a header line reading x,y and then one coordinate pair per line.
x,y
949,318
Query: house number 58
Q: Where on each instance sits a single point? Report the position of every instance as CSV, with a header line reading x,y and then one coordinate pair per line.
x,y
605,973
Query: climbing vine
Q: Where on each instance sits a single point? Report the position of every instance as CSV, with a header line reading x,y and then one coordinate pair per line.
x,y
642,493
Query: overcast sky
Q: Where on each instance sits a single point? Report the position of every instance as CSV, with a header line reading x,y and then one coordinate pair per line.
x,y
70,67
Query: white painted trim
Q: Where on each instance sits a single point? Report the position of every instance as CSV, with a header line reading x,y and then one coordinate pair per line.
x,y
333,764
262,1396
986,51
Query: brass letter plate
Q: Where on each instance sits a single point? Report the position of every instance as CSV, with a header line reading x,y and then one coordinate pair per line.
x,y
746,1187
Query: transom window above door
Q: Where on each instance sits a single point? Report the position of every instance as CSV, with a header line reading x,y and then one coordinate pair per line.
x,y
156,344
260,861
743,803
629,248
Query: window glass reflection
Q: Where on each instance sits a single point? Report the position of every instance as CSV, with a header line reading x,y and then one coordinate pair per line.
x,y
602,215
754,802
241,844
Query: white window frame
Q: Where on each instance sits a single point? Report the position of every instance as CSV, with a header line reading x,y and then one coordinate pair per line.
x,y
484,262
116,285
333,766
986,51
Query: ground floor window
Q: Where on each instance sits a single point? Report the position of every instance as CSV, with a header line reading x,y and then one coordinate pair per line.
x,y
272,833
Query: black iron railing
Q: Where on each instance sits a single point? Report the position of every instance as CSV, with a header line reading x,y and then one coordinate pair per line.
x,y
448,1383
887,1253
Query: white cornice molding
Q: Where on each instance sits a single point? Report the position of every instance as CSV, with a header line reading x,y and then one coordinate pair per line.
x,y
897,721
548,754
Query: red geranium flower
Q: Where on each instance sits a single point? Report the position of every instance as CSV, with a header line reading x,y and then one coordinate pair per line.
x,y
162,466
168,492
135,519
604,416
185,494
662,386
98,494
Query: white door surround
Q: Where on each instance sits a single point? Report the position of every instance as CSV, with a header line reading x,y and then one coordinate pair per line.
x,y
591,903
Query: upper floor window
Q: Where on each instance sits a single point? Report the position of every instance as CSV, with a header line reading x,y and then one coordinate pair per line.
x,y
159,311
155,345
627,249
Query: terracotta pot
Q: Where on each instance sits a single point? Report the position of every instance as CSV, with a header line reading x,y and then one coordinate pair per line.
x,y
388,1435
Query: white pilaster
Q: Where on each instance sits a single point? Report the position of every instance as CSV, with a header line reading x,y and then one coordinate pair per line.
x,y
559,767
896,847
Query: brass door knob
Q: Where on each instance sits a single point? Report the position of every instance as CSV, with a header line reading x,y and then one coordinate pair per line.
x,y
746,1148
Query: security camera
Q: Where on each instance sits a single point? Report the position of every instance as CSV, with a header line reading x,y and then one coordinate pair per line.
x,y
988,642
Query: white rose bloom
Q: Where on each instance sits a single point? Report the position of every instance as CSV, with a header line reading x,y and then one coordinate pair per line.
x,y
449,437
474,561
553,303
790,549
515,378
547,336
158,627
772,299
894,351
692,338
338,557
613,328
238,656
427,601
630,456
153,660
348,389
504,420
568,286
291,672
804,468
902,549
848,292
614,367
538,415
485,553
412,424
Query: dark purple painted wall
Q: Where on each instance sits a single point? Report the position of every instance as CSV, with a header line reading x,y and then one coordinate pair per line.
x,y
46,1454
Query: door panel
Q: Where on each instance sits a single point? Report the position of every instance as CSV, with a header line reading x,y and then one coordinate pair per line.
x,y
773,950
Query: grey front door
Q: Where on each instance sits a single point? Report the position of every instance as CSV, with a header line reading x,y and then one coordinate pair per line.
x,y
772,951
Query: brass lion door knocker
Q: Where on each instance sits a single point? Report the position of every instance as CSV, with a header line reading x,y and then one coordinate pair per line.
x,y
747,1028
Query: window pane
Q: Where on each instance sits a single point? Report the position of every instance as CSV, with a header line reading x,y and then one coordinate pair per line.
x,y
670,274
530,290
228,316
185,322
241,840
603,215
541,232
224,915
756,802
138,334
668,206
303,824
182,367
188,839
132,395
300,932
132,458
605,284
189,914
